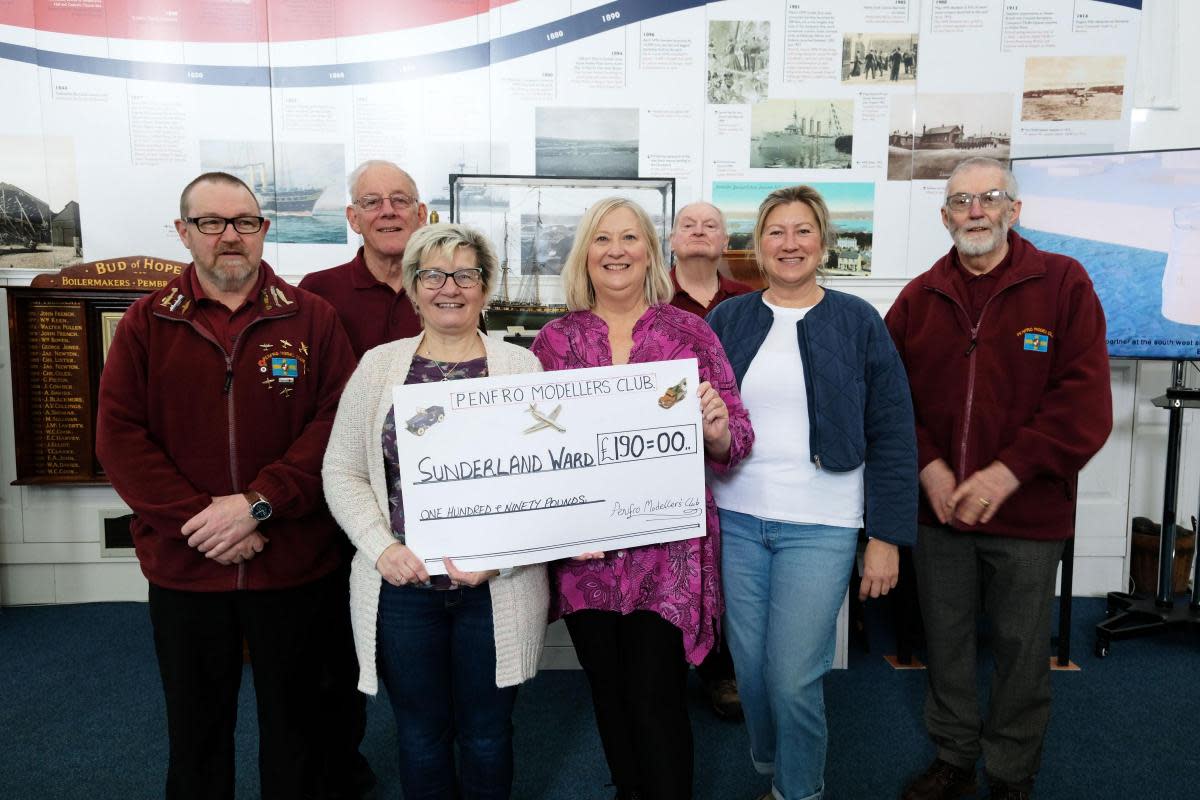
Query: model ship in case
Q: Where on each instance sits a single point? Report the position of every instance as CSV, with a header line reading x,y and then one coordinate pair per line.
x,y
532,221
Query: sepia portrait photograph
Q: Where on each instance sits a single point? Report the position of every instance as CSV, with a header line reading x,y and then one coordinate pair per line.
x,y
1062,88
946,129
803,134
738,53
586,142
879,57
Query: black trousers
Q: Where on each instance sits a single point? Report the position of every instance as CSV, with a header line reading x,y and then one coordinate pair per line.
x,y
198,639
718,664
636,667
343,709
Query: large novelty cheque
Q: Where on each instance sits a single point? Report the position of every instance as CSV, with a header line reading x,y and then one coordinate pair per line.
x,y
521,469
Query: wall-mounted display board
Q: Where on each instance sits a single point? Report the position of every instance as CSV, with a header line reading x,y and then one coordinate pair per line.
x,y
59,331
873,101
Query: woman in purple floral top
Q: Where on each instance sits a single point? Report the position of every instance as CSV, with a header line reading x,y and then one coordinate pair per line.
x,y
638,616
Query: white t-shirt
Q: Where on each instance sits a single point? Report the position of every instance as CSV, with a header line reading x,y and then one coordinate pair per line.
x,y
778,480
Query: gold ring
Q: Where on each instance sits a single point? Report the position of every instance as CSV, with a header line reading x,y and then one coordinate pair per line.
x,y
983,501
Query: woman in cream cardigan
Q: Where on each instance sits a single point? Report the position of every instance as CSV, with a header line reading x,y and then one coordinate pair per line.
x,y
450,649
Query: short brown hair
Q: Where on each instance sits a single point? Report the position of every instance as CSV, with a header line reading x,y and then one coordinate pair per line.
x,y
785,196
212,177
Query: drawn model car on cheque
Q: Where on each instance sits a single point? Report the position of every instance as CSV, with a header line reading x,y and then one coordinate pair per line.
x,y
674,394
424,419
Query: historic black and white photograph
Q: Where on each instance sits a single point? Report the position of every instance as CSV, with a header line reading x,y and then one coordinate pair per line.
x,y
879,57
805,134
946,129
1062,88
39,203
738,53
300,186
587,142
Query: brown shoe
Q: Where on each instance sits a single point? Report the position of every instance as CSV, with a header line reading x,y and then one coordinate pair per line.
x,y
724,699
942,781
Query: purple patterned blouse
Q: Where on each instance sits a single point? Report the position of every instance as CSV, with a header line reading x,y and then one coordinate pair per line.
x,y
422,370
679,581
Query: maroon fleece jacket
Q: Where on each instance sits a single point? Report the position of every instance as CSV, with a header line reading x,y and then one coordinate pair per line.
x,y
1027,385
180,421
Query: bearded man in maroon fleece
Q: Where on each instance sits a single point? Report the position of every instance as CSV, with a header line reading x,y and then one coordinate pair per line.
x,y
216,402
1005,351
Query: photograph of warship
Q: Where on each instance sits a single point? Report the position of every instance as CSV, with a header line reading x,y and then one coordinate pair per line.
x,y
808,134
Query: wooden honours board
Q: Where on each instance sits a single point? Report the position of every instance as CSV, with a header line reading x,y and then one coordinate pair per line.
x,y
59,330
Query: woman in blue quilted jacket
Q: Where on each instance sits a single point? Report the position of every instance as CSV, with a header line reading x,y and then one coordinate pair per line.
x,y
835,452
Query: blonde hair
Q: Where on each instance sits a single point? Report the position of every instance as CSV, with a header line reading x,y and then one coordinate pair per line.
x,y
444,239
785,196
580,293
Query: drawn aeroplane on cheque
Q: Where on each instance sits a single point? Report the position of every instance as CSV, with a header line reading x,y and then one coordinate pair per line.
x,y
544,421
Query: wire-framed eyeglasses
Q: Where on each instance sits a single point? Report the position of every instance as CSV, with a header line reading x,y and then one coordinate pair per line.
x,y
989,200
373,202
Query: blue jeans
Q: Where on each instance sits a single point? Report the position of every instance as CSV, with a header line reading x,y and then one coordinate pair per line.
x,y
437,658
784,583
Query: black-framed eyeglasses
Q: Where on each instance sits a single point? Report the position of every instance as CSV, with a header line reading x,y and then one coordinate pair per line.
x,y
217,225
465,278
988,200
398,201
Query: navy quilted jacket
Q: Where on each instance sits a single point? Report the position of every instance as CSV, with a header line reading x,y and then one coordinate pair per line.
x,y
859,405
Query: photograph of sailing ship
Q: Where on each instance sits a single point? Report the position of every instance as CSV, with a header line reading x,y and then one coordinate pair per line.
x,y
948,129
851,212
586,141
738,55
879,57
299,185
805,134
1061,88
39,208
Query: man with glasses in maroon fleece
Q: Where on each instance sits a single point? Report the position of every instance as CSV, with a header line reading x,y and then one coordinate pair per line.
x,y
367,292
216,402
368,295
1006,358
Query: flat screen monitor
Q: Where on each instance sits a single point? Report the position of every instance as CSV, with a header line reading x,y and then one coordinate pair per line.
x,y
1133,221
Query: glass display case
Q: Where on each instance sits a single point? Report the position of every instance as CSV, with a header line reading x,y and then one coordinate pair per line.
x,y
531,220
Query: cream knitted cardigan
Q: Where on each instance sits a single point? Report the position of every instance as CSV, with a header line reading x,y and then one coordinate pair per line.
x,y
357,495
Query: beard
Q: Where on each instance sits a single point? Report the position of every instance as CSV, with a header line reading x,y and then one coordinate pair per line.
x,y
228,276
974,245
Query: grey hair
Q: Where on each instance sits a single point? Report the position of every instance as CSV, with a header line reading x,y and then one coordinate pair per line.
x,y
983,162
353,178
443,239
720,215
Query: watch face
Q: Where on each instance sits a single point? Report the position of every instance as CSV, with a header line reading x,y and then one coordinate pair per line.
x,y
261,510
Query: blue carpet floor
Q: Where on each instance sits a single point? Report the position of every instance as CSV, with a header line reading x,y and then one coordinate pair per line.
x,y
81,716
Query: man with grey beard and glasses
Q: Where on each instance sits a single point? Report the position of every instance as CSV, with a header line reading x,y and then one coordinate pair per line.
x,y
1005,350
